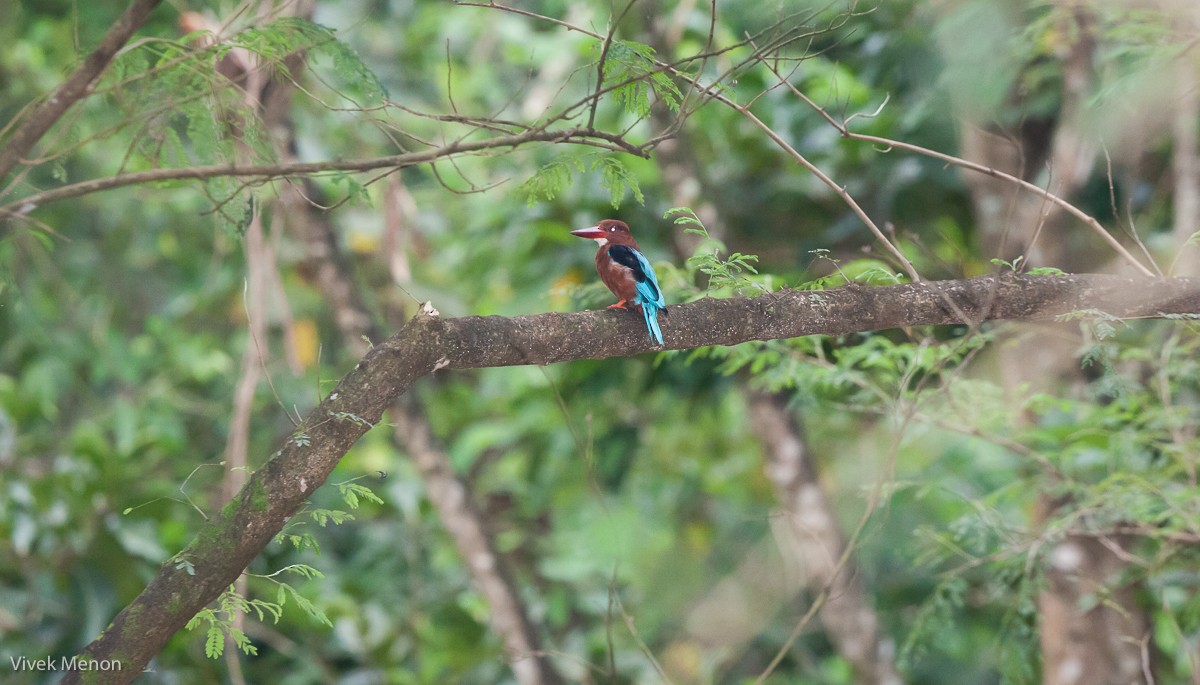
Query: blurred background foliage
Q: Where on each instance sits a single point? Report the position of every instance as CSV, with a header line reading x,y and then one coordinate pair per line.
x,y
627,485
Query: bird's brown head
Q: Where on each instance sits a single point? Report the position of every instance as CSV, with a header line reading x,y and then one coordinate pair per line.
x,y
607,231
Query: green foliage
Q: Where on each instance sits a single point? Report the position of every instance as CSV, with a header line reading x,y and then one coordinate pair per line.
x,y
631,72
616,178
324,516
277,41
349,417
617,490
864,271
351,492
188,113
932,618
726,275
1014,265
1046,271
285,591
553,178
1113,461
220,622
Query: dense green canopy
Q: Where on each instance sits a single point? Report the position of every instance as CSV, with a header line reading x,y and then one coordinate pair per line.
x,y
202,231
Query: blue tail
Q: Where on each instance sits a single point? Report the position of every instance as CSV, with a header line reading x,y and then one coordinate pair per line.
x,y
650,312
649,295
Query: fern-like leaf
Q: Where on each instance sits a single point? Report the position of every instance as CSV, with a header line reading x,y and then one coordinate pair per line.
x,y
214,642
630,67
617,178
550,180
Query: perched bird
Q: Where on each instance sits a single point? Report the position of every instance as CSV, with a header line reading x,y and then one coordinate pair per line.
x,y
626,272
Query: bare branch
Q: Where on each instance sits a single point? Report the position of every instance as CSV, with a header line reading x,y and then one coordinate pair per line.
x,y
986,170
266,172
841,192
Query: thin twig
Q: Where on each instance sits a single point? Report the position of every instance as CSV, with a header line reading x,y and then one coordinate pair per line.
x,y
604,46
712,92
266,172
839,190
1071,209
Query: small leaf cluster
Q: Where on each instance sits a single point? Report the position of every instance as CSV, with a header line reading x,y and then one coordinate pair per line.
x,y
728,275
280,39
352,494
631,71
231,603
1117,461
185,100
553,178
221,625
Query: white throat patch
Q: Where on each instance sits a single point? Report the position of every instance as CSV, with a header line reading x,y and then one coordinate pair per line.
x,y
601,241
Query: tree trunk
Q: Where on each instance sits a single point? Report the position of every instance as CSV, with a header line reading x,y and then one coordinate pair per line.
x,y
1099,645
1093,631
815,544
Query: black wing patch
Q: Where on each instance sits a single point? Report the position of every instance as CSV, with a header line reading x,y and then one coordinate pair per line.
x,y
627,257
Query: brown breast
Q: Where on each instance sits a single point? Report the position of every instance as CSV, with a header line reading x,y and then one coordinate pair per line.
x,y
618,279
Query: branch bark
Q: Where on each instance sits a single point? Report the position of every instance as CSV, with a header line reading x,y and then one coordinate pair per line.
x,y
229,541
77,86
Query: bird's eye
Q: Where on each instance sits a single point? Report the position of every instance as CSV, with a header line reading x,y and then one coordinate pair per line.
x,y
611,229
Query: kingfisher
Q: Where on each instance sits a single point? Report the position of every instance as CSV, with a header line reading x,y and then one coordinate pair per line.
x,y
626,272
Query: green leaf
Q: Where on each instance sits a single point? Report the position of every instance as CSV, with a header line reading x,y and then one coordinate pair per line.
x,y
1045,271
243,642
550,180
617,179
202,615
304,570
351,492
631,70
214,643
277,40
323,516
307,606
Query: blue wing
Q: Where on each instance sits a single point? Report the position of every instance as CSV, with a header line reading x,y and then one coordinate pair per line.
x,y
649,295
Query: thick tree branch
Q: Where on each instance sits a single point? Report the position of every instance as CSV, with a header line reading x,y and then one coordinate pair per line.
x,y
75,88
228,542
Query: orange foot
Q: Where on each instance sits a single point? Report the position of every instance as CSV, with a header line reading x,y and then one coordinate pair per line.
x,y
619,305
